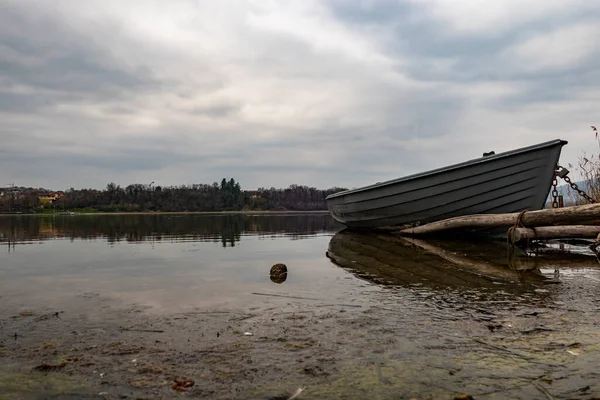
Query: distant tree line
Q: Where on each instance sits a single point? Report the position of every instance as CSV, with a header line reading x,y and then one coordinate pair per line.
x,y
12,201
226,196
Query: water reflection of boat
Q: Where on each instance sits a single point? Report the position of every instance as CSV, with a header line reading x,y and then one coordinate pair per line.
x,y
388,259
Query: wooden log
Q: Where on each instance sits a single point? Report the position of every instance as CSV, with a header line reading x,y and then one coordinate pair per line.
x,y
556,216
520,235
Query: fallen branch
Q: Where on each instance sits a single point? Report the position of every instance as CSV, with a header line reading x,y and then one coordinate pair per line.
x,y
555,216
520,235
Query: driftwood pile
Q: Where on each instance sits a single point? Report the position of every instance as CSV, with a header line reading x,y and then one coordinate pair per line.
x,y
557,223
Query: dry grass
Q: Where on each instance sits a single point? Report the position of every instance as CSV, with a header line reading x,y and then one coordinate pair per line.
x,y
587,170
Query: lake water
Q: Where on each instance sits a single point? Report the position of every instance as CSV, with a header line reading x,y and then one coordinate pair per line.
x,y
391,318
168,262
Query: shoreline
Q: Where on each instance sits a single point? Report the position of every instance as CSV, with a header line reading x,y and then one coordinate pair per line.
x,y
244,212
279,342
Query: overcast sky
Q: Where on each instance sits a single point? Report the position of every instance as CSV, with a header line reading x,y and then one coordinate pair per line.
x,y
322,93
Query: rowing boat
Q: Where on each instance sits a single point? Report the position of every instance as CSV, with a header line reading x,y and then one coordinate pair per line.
x,y
512,181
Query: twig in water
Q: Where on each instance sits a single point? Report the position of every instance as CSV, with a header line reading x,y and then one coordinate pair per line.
x,y
543,390
202,312
431,383
339,305
288,297
518,354
142,330
506,389
523,356
243,317
307,298
297,394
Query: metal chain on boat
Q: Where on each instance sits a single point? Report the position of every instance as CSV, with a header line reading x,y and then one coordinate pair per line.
x,y
581,192
554,192
561,172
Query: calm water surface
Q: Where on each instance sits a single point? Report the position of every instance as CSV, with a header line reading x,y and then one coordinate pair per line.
x,y
168,262
412,306
179,262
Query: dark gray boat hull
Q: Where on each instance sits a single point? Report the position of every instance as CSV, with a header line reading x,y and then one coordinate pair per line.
x,y
513,181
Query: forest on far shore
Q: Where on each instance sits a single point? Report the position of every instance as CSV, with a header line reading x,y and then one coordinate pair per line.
x,y
226,196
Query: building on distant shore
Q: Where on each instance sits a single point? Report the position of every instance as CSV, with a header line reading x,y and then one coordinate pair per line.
x,y
50,197
254,194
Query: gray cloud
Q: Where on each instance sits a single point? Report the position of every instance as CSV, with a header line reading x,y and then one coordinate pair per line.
x,y
319,93
41,51
435,54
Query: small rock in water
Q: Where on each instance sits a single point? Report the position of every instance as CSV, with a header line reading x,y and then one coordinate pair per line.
x,y
248,334
279,273
50,367
181,385
463,397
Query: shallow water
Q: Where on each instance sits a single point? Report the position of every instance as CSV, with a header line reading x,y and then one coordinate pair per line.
x,y
362,313
167,262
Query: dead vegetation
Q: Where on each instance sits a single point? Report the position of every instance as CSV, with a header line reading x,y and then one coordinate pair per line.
x,y
587,171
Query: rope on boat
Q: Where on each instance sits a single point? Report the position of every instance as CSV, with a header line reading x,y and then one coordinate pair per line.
x,y
518,224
